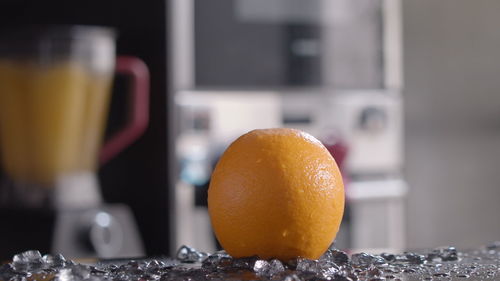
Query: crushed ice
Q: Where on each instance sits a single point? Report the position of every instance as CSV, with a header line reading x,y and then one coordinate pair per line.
x,y
443,263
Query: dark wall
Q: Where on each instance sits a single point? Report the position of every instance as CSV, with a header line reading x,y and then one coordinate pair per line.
x,y
138,176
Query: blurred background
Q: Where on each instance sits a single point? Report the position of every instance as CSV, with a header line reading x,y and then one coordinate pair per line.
x,y
404,94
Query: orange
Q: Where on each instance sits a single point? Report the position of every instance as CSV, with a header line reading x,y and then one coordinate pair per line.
x,y
276,193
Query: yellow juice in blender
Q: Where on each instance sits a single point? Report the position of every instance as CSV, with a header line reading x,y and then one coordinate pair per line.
x,y
51,120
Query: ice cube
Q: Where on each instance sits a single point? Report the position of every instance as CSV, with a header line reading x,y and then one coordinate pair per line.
x,y
493,246
217,261
443,254
268,268
222,252
275,267
448,254
330,272
154,264
307,265
414,258
74,273
131,269
261,266
336,256
81,271
50,261
365,260
29,260
245,263
27,257
188,254
65,274
388,257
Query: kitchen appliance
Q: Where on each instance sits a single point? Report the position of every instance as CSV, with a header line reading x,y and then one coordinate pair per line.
x,y
141,176
55,85
337,67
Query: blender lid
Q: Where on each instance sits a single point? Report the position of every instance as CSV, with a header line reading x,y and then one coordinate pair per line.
x,y
29,39
39,31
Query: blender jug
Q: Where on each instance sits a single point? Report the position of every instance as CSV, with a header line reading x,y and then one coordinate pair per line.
x,y
55,87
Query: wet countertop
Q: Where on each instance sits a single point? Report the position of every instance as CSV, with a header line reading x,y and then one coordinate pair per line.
x,y
444,263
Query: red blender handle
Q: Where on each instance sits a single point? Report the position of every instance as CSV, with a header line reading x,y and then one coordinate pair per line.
x,y
138,113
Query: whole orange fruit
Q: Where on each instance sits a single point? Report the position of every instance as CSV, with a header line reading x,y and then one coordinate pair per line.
x,y
276,193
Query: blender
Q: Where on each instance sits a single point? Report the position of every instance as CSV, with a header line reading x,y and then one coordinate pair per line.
x,y
55,89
